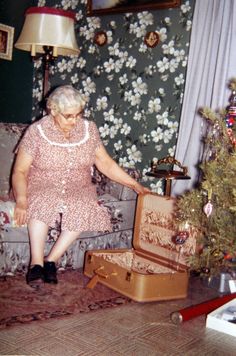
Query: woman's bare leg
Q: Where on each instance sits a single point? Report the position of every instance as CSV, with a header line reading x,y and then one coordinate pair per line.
x,y
38,231
65,239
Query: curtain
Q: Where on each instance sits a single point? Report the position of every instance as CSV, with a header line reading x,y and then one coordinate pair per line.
x,y
211,65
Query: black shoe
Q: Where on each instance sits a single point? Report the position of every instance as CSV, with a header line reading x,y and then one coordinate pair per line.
x,y
50,272
35,276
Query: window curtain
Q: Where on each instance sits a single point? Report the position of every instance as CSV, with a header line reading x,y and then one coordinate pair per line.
x,y
211,65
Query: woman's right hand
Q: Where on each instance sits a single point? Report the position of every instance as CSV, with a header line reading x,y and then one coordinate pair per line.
x,y
20,212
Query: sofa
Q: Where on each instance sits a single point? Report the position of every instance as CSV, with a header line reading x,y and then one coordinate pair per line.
x,y
14,240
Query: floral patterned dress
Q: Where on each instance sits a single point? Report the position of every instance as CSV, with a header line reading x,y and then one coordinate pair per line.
x,y
59,180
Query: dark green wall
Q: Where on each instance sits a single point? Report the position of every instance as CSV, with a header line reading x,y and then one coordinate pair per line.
x,y
16,75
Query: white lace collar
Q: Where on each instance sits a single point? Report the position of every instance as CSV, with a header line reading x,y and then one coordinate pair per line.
x,y
86,137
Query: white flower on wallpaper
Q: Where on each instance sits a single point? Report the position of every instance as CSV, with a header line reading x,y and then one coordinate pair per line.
x,y
69,4
109,115
163,119
139,27
134,155
123,79
137,116
134,93
41,3
131,62
102,103
145,18
163,65
144,138
162,34
125,129
139,86
185,7
168,48
154,105
89,86
157,135
75,78
104,130
188,25
171,151
118,145
133,98
179,80
81,62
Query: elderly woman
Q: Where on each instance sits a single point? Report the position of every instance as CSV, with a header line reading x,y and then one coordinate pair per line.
x,y
52,179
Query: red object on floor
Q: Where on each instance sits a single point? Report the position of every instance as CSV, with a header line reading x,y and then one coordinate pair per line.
x,y
203,308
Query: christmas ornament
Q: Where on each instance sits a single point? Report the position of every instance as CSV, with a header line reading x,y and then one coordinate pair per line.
x,y
181,237
231,136
216,253
207,209
230,117
228,257
205,270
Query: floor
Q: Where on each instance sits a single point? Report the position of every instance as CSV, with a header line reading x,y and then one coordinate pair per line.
x,y
139,329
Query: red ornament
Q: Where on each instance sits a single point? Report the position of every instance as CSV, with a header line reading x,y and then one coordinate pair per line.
x,y
227,256
180,238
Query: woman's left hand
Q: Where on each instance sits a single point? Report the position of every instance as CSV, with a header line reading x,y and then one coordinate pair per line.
x,y
140,189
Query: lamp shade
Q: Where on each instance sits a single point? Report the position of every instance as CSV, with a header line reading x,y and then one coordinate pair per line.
x,y
45,26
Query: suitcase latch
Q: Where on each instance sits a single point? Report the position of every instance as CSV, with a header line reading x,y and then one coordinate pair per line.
x,y
89,259
128,276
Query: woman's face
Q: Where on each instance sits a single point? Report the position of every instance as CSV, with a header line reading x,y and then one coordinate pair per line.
x,y
67,120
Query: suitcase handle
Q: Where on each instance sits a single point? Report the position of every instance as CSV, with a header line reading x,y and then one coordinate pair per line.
x,y
104,275
98,273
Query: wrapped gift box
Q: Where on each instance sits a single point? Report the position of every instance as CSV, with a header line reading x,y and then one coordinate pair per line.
x,y
223,319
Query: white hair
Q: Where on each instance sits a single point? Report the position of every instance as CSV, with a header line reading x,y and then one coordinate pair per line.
x,y
65,97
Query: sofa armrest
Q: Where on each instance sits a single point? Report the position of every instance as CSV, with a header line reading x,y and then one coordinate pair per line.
x,y
10,135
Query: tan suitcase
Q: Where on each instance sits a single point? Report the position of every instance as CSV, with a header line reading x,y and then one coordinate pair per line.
x,y
155,269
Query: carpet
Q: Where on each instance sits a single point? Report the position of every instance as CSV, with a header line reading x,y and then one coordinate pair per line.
x,y
19,303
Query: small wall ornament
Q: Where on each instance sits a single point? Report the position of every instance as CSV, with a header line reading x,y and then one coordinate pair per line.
x,y
151,39
100,38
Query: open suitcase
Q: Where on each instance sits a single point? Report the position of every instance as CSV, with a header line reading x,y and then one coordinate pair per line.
x,y
155,269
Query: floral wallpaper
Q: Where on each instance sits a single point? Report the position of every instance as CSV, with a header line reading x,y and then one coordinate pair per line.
x,y
134,92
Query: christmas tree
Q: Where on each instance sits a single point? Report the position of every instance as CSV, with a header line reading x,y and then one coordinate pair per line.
x,y
209,211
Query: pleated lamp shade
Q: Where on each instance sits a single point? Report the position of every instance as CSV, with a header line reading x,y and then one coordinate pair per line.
x,y
45,26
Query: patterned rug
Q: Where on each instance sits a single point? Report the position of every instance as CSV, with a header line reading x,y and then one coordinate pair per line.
x,y
20,303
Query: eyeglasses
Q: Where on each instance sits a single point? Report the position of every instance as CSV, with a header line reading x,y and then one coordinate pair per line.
x,y
72,117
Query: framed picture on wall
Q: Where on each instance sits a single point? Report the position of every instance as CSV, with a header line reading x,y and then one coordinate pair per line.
x,y
103,7
6,41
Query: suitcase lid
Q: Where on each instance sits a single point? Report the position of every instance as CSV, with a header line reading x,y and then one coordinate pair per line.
x,y
155,233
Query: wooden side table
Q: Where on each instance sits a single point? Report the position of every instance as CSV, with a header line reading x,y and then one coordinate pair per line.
x,y
168,174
